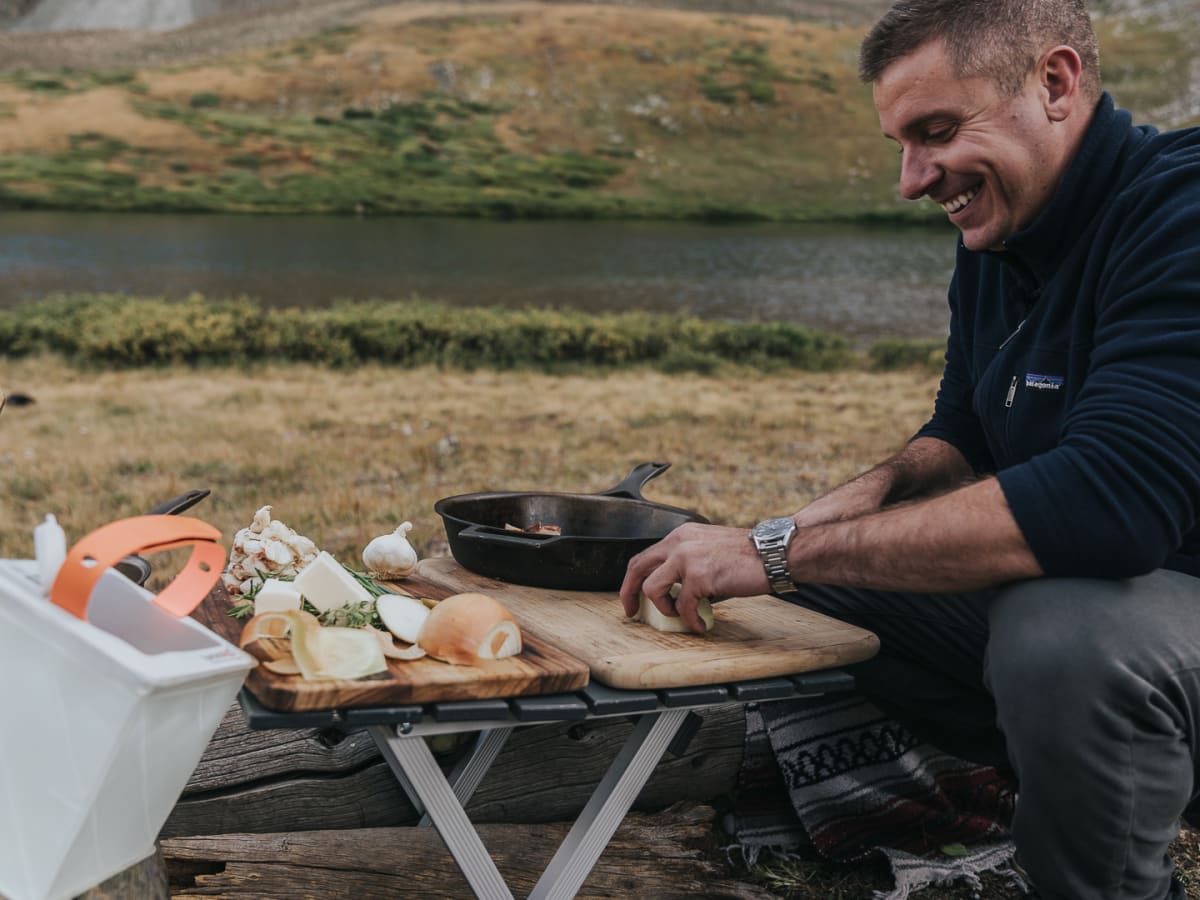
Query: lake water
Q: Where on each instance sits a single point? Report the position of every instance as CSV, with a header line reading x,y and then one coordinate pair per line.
x,y
861,282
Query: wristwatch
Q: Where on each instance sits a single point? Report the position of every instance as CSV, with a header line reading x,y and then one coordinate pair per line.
x,y
771,538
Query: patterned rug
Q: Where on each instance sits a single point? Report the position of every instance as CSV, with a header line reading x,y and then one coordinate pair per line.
x,y
840,778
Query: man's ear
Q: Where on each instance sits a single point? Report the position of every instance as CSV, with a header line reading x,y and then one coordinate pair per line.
x,y
1060,70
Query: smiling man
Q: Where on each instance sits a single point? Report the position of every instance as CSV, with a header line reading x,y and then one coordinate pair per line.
x,y
1029,559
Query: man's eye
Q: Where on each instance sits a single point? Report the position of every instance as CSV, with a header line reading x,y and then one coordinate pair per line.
x,y
941,136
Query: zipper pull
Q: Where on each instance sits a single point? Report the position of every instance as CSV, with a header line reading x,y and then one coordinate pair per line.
x,y
1016,331
1012,392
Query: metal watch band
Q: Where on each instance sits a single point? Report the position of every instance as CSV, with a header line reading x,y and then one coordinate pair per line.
x,y
775,562
771,538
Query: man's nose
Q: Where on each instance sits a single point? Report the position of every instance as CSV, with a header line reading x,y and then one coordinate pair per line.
x,y
918,173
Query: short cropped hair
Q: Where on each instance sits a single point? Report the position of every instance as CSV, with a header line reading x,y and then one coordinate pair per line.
x,y
1000,39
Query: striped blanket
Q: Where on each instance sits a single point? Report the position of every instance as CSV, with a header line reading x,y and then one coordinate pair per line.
x,y
840,778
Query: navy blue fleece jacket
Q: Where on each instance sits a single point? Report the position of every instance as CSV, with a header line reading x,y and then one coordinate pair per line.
x,y
1073,364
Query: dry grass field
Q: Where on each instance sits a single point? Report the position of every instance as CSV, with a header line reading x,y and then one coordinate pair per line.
x,y
345,456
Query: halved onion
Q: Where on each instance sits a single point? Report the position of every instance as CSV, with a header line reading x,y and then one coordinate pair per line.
x,y
465,628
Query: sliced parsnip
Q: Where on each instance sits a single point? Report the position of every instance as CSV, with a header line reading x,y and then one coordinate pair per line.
x,y
402,615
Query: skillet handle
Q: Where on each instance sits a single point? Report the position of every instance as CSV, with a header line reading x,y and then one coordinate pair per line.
x,y
631,486
503,536
176,505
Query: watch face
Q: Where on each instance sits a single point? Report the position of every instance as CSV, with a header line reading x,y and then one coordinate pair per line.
x,y
773,527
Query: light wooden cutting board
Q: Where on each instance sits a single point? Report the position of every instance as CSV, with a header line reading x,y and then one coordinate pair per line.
x,y
753,637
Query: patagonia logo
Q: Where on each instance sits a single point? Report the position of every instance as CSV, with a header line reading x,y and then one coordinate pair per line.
x,y
1037,382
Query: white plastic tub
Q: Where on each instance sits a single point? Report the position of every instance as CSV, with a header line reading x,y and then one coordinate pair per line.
x,y
102,722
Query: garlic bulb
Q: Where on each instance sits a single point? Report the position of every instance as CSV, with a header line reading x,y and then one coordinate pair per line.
x,y
390,556
266,548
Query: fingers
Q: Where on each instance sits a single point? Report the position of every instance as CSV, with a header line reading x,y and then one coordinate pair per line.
x,y
685,605
705,560
640,568
635,575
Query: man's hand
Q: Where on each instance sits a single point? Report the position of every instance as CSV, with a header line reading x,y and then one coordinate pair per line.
x,y
705,560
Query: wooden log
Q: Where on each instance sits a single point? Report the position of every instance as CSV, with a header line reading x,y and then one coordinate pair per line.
x,y
238,755
672,854
277,781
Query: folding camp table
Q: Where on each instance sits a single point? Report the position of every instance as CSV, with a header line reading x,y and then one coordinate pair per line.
x,y
664,721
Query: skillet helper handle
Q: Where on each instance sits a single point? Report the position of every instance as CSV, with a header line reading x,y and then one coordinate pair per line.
x,y
503,536
631,484
103,548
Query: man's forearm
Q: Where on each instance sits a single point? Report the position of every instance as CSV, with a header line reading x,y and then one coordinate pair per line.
x,y
963,540
924,467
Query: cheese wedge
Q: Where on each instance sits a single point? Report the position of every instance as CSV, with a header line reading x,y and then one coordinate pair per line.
x,y
276,596
327,585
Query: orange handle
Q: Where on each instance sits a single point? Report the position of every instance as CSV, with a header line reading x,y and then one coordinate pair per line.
x,y
106,546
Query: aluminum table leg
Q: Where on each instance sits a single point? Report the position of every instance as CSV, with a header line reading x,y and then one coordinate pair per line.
x,y
611,800
466,775
469,771
411,757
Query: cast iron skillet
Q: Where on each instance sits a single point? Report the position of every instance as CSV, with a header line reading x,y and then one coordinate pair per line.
x,y
600,532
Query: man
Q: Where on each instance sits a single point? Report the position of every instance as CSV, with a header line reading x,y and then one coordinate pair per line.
x,y
1028,559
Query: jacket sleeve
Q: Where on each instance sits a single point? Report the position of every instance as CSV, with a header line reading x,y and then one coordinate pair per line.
x,y
1121,490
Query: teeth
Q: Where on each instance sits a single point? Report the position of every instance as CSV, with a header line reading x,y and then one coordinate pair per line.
x,y
954,204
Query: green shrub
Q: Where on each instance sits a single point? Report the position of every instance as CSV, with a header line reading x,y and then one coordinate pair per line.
x,y
717,91
244,161
205,100
890,354
760,91
114,77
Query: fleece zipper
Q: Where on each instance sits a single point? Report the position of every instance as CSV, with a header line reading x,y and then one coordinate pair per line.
x,y
1011,396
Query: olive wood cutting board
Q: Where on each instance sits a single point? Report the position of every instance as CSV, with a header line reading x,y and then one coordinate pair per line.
x,y
538,669
753,637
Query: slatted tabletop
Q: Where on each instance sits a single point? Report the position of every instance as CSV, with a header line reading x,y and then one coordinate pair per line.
x,y
594,701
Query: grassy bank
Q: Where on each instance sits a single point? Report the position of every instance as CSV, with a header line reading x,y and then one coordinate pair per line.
x,y
510,110
115,331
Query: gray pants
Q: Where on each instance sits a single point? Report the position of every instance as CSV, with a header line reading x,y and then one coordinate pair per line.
x,y
1086,691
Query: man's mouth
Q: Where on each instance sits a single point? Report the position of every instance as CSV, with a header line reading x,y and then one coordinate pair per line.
x,y
955,204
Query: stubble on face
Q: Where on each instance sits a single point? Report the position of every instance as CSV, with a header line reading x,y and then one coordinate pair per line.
x,y
988,159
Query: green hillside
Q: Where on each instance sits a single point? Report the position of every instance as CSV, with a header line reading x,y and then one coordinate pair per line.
x,y
512,110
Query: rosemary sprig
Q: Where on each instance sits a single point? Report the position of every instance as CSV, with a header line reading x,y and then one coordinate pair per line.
x,y
353,615
360,614
374,588
244,608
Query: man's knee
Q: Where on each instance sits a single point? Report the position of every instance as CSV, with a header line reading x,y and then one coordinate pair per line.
x,y
1041,640
1064,651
